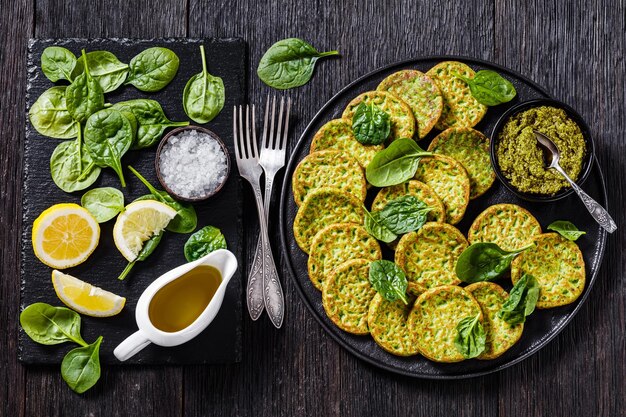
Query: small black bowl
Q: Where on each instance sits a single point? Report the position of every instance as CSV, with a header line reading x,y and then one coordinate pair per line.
x,y
157,162
572,114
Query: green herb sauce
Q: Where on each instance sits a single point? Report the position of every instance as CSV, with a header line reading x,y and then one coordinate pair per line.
x,y
521,159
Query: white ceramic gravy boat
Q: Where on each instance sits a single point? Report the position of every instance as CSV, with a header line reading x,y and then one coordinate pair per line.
x,y
223,260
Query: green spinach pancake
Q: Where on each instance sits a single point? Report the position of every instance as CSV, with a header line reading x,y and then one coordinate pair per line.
x,y
420,92
471,149
346,295
323,207
328,169
337,135
337,243
402,120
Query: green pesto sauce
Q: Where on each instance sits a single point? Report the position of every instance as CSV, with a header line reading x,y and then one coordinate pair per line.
x,y
521,159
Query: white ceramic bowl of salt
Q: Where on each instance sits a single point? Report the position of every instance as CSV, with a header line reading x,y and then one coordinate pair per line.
x,y
192,163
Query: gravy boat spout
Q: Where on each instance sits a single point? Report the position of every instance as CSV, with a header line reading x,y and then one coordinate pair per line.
x,y
222,260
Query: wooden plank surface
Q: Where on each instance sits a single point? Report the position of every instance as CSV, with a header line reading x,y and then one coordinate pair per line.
x,y
576,50
12,105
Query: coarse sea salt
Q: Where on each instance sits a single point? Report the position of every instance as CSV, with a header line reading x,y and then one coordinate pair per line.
x,y
193,164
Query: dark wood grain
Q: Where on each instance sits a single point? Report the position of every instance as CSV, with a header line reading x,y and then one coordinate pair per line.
x,y
14,33
575,49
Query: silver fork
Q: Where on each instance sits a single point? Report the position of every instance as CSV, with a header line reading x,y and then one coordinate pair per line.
x,y
246,155
272,160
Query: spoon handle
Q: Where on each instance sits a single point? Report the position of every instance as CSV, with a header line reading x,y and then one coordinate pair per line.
x,y
596,210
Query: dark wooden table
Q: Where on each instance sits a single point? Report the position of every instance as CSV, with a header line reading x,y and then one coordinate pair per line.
x,y
576,50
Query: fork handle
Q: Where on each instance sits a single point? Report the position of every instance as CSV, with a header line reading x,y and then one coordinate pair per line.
x,y
264,287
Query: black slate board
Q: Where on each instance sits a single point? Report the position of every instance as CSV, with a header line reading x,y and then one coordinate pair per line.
x,y
541,327
221,341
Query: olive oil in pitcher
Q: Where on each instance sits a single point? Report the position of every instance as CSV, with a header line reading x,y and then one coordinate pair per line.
x,y
179,303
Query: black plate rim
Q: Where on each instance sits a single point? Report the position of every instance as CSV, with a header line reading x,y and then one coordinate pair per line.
x,y
285,190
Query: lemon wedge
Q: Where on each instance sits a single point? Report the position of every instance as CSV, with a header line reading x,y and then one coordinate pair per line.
x,y
64,235
138,222
86,298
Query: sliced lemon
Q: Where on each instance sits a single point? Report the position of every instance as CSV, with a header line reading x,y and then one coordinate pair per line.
x,y
84,297
139,222
64,235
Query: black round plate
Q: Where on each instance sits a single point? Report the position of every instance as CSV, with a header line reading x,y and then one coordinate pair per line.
x,y
541,327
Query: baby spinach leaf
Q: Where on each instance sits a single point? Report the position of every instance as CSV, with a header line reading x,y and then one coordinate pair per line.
x,y
566,229
485,262
146,250
71,166
84,96
289,63
489,87
470,338
203,242
152,69
395,164
105,68
103,203
203,96
108,135
522,300
50,117
404,214
57,63
375,227
80,368
389,280
151,121
370,124
50,325
186,218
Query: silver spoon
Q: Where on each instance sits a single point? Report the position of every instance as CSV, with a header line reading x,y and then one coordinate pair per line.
x,y
552,155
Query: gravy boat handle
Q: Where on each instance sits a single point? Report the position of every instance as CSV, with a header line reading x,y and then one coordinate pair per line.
x,y
131,345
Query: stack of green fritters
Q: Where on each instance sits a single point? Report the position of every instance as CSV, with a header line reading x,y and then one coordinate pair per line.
x,y
330,187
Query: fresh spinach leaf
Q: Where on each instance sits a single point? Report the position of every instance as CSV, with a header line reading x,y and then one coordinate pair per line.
x,y
203,242
203,96
152,69
108,135
522,300
566,229
103,203
146,250
80,368
485,261
50,325
389,280
470,338
57,63
84,96
105,68
71,166
50,117
489,87
186,218
151,121
404,214
370,124
375,227
289,63
395,164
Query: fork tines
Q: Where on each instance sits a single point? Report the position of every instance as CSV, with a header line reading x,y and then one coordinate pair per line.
x,y
279,140
245,148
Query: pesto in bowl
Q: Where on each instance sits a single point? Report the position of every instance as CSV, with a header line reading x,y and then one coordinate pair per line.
x,y
518,159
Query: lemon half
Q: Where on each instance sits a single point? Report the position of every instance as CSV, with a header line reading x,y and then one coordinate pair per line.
x,y
86,298
64,235
138,222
